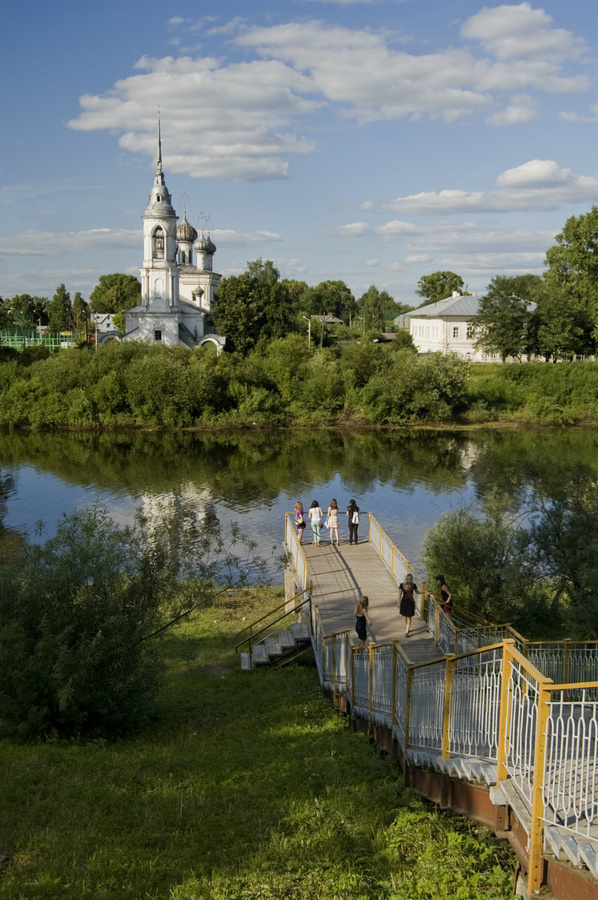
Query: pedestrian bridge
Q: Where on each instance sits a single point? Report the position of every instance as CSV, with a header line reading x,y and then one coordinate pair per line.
x,y
484,721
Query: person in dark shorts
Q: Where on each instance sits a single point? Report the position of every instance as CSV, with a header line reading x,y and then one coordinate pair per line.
x,y
362,620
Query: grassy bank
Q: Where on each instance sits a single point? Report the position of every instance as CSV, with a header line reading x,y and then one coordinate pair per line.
x,y
248,786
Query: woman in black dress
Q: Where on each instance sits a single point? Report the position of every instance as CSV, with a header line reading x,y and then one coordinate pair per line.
x,y
406,602
362,620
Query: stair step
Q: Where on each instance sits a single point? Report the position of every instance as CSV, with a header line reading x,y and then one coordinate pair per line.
x,y
300,631
589,856
552,840
287,641
571,848
273,646
259,655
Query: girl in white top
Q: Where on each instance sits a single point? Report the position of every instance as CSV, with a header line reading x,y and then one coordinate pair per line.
x,y
315,517
333,521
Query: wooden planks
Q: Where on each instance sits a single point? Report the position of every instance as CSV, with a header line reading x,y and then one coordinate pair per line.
x,y
341,574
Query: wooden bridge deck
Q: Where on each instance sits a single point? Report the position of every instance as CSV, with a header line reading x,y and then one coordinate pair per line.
x,y
341,574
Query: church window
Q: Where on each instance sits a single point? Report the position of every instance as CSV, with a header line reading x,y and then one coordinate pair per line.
x,y
455,331
158,244
157,334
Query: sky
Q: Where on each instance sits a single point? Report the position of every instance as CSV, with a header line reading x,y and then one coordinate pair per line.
x,y
371,141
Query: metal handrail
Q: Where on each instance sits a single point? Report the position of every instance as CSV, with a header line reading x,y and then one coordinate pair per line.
x,y
490,704
250,639
285,603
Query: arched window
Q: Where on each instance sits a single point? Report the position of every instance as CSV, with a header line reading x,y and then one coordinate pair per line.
x,y
158,244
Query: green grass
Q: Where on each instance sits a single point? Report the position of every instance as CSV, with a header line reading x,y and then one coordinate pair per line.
x,y
249,786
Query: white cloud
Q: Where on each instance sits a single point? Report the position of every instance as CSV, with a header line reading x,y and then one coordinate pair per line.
x,y
30,242
520,111
575,117
372,262
230,122
240,120
520,32
540,184
231,238
353,229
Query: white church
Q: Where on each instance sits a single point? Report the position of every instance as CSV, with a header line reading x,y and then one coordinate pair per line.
x,y
176,292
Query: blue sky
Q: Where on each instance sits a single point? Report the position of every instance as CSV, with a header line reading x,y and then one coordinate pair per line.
x,y
373,141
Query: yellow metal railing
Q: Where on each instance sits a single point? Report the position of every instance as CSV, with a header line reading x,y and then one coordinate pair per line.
x,y
491,704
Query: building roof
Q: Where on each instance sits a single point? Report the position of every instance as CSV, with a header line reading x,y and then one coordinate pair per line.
x,y
457,305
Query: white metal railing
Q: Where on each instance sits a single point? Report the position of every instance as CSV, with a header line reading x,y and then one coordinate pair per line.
x,y
570,797
474,704
426,703
360,681
498,704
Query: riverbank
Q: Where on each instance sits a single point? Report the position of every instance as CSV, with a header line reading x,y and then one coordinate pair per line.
x,y
283,385
248,786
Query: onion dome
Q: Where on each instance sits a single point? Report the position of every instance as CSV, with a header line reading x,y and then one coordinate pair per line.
x,y
204,244
185,231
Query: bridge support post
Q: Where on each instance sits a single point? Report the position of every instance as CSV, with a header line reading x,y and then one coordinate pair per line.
x,y
446,711
536,837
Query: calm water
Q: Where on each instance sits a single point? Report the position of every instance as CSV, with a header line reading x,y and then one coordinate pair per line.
x,y
407,479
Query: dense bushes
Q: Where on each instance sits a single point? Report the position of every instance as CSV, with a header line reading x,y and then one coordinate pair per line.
x,y
80,616
283,382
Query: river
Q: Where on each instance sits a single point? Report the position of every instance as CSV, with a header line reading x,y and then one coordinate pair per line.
x,y
407,478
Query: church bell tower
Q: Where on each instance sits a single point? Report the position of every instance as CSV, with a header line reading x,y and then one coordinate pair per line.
x,y
160,274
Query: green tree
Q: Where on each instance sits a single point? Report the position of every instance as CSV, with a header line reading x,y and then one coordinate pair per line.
x,y
438,286
80,314
562,322
21,311
80,616
373,306
484,554
330,297
115,293
573,261
59,309
253,306
237,312
503,319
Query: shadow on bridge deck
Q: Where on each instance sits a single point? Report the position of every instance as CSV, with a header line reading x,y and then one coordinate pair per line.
x,y
341,574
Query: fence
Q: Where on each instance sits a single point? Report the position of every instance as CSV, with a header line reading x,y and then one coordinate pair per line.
x,y
524,711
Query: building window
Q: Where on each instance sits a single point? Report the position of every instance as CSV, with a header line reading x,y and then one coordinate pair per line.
x,y
158,244
455,331
158,334
470,331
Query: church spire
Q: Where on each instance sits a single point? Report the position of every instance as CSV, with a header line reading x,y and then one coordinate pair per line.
x,y
159,161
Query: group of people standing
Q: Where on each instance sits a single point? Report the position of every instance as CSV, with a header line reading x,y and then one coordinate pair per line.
x,y
315,516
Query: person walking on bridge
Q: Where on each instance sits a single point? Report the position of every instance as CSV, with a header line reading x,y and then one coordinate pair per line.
x,y
406,602
362,620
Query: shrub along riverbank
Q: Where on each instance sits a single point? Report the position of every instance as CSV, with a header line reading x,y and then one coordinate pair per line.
x,y
283,383
247,786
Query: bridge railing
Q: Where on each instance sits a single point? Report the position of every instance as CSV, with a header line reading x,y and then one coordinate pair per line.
x,y
456,632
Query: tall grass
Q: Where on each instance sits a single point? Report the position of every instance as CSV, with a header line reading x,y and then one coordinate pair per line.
x,y
248,786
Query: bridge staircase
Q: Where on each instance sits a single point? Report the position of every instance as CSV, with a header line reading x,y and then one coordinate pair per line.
x,y
484,722
279,637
